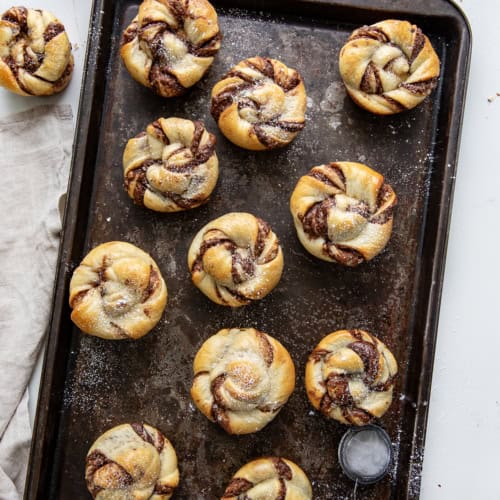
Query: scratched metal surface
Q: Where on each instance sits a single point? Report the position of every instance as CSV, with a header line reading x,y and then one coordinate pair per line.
x,y
107,383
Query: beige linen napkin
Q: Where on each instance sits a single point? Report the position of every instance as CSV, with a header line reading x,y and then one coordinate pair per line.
x,y
35,149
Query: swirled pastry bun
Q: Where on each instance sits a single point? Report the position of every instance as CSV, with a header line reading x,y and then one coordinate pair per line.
x,y
235,259
172,166
170,44
389,67
350,377
269,478
132,461
35,53
343,212
117,292
242,379
260,104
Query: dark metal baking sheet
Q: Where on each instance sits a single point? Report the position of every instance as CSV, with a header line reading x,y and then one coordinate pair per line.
x,y
89,384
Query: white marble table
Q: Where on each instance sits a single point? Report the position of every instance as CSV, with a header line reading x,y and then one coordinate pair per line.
x,y
463,433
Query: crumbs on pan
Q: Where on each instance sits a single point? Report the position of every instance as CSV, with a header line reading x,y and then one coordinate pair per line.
x,y
493,97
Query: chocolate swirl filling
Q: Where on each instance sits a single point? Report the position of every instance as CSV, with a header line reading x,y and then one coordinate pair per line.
x,y
337,385
96,461
315,220
32,59
239,486
199,156
163,489
219,414
371,81
219,409
149,34
243,266
235,93
158,441
100,284
52,30
369,32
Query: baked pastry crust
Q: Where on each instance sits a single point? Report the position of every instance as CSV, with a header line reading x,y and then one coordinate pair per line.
x,y
170,44
132,461
117,292
350,377
260,104
389,67
235,259
242,379
35,53
269,478
172,166
343,212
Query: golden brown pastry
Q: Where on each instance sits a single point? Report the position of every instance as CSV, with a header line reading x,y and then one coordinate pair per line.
x,y
170,44
389,67
343,212
242,379
350,377
117,292
235,259
269,478
132,461
260,104
172,166
35,53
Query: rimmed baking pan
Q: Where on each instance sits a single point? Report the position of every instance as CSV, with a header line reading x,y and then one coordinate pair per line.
x,y
89,384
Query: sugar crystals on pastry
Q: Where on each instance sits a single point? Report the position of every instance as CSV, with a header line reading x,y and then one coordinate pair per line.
x,y
132,461
235,259
172,166
389,67
350,377
343,212
242,379
170,44
35,53
269,478
117,292
260,104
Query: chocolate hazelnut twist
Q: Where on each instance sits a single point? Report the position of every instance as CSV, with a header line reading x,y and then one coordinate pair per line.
x,y
35,53
389,67
170,44
242,379
343,212
132,461
260,104
269,478
172,166
235,259
117,292
350,377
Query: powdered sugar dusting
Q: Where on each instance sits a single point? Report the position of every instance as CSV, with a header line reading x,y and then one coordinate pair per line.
x,y
149,380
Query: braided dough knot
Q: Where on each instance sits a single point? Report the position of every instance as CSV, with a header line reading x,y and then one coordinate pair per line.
x,y
172,166
170,45
260,104
350,377
235,259
132,461
35,53
389,67
242,378
117,292
343,212
269,478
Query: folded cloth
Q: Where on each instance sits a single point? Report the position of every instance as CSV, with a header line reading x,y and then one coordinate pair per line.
x,y
36,151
